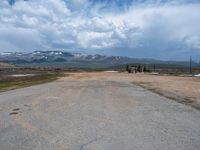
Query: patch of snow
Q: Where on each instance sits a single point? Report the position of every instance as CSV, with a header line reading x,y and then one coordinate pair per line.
x,y
6,53
154,73
197,75
79,55
111,71
22,75
36,52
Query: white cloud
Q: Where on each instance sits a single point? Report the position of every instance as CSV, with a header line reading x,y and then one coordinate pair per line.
x,y
193,42
41,24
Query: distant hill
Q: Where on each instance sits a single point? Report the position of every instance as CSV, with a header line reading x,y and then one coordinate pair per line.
x,y
6,65
63,59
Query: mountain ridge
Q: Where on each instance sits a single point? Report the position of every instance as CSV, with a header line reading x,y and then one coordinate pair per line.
x,y
69,59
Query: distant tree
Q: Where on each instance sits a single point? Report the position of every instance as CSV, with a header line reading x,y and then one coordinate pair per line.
x,y
154,68
145,69
139,68
148,69
127,67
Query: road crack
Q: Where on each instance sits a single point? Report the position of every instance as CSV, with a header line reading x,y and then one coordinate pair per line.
x,y
90,142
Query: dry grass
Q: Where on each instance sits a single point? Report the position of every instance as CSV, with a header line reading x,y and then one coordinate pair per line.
x,y
10,83
182,89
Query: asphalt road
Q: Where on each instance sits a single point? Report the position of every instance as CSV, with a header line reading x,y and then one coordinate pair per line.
x,y
95,115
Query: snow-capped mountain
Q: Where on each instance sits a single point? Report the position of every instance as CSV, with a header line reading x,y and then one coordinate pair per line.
x,y
67,59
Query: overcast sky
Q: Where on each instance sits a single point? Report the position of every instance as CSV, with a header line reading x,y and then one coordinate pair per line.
x,y
162,29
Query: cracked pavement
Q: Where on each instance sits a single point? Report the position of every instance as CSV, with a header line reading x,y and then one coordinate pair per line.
x,y
100,114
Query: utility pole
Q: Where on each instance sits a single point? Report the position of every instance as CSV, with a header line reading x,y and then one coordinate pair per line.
x,y
190,65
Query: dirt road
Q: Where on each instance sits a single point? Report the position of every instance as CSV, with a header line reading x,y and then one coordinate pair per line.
x,y
90,112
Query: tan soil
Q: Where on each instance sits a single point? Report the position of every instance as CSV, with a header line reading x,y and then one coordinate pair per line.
x,y
182,89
